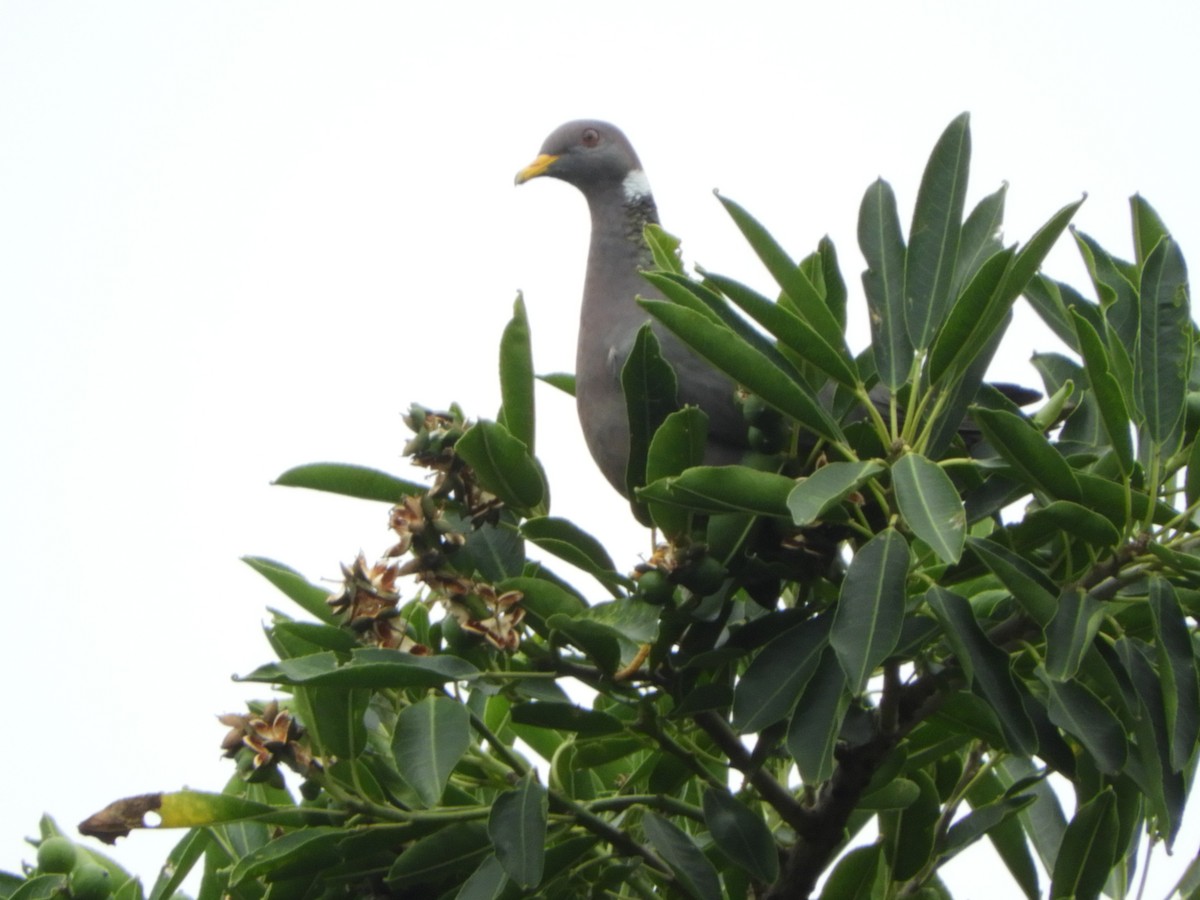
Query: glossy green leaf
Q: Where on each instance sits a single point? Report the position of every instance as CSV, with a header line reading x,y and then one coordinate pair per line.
x,y
935,232
305,852
41,887
1054,302
1177,667
704,297
487,882
1148,228
601,642
1088,850
504,466
1075,708
370,667
310,598
1008,835
516,377
741,835
870,611
664,247
882,245
745,365
564,381
859,875
677,445
517,827
1031,588
816,722
1163,356
359,482
773,681
180,862
969,324
1113,500
569,542
566,717
492,551
1109,397
1034,460
1118,294
978,822
430,738
795,284
649,385
445,854
980,238
914,830
814,496
693,872
1071,632
930,505
721,489
792,332
986,665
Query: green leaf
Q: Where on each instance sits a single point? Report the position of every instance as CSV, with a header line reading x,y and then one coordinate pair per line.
x,y
745,365
870,610
986,666
930,505
1034,460
503,465
350,481
741,835
309,597
487,882
564,381
180,861
516,377
982,820
1076,709
817,721
1031,588
1070,633
814,496
1177,666
693,871
859,875
882,245
430,738
41,887
677,445
791,279
599,641
517,827
566,717
914,830
721,489
969,324
1088,850
773,681
1114,414
1148,228
980,238
569,542
1163,356
445,854
649,385
306,852
935,232
664,247
1008,836
369,667
792,332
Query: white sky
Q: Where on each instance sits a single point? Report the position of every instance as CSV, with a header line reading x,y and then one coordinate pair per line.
x,y
236,237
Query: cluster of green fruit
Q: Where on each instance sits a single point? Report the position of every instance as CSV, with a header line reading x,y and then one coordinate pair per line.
x,y
84,878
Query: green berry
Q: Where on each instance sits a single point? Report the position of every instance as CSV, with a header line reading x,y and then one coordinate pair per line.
x,y
56,855
654,587
90,881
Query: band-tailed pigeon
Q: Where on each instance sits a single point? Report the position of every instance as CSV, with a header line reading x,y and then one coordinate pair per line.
x,y
599,160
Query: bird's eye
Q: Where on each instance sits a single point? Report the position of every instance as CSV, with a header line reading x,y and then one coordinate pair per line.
x,y
590,137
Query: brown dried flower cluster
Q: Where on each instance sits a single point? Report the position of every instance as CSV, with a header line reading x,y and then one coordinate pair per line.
x,y
273,736
369,603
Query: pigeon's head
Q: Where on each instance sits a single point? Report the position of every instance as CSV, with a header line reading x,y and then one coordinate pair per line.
x,y
590,155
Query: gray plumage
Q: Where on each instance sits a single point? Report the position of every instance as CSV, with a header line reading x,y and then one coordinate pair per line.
x,y
598,159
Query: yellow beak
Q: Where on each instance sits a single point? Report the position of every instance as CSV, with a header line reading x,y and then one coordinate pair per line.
x,y
535,168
